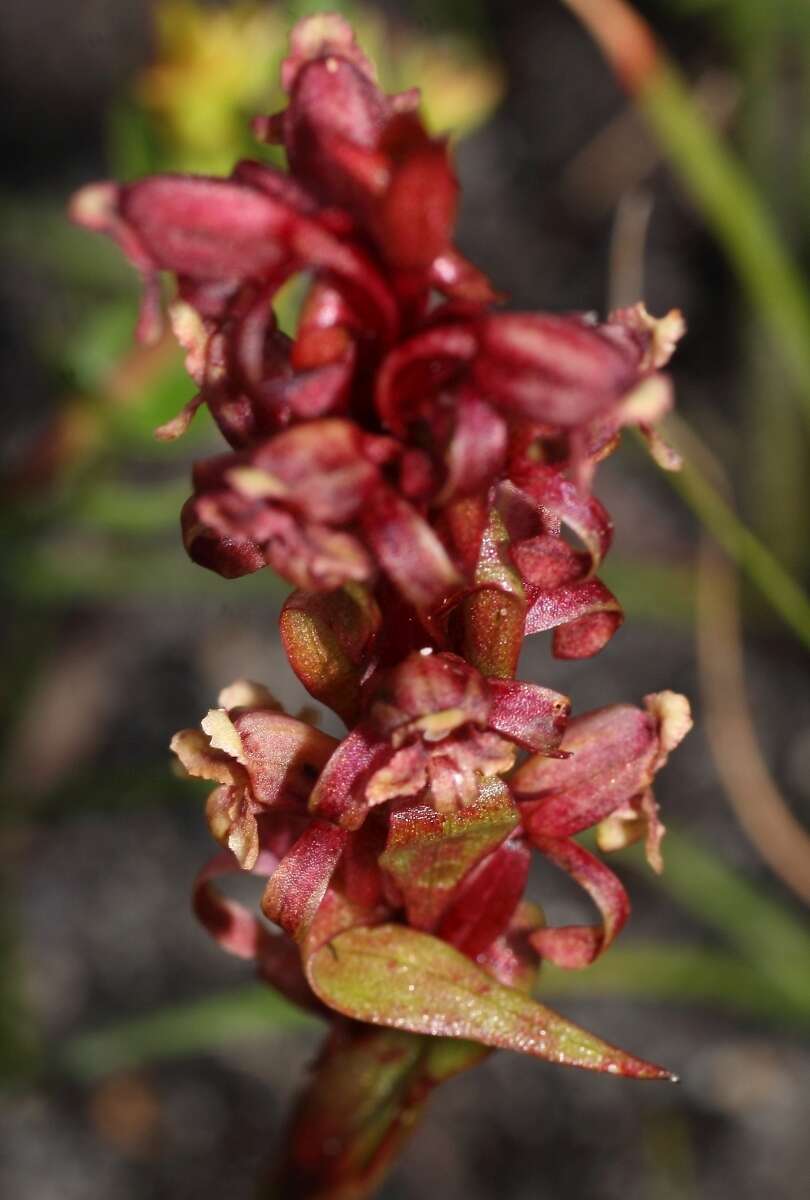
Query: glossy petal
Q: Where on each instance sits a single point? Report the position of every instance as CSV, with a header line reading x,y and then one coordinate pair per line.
x,y
409,552
575,946
486,899
534,717
339,794
298,885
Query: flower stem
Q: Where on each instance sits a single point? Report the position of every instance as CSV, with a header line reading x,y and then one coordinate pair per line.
x,y
367,1094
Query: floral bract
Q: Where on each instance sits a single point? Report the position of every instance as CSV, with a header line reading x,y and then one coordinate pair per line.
x,y
418,464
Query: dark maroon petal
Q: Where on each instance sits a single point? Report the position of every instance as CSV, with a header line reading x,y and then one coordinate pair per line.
x,y
419,368
555,369
228,555
581,513
576,946
318,469
298,885
409,552
310,394
486,899
533,717
207,228
426,689
477,448
414,217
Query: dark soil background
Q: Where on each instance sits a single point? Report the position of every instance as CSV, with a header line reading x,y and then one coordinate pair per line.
x,y
100,849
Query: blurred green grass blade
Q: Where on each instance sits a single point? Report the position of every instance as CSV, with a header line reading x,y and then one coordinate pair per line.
x,y
678,974
766,932
70,569
652,591
732,208
753,557
125,509
195,1028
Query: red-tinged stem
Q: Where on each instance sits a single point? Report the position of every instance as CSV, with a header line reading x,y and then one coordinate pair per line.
x,y
367,1094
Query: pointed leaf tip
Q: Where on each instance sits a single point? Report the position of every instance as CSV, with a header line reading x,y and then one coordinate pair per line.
x,y
394,976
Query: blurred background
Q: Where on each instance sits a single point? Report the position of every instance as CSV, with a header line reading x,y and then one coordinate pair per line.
x,y
139,1061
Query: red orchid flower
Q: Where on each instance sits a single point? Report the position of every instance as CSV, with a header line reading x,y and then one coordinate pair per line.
x,y
419,465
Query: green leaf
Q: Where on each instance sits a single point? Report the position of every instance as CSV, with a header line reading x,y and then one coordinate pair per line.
x,y
394,976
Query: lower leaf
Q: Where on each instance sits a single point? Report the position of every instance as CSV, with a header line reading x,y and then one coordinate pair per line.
x,y
394,976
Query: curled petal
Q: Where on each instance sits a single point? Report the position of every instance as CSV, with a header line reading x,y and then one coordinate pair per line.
x,y
298,885
563,500
202,761
236,928
583,615
229,554
339,794
511,958
418,367
576,946
240,932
